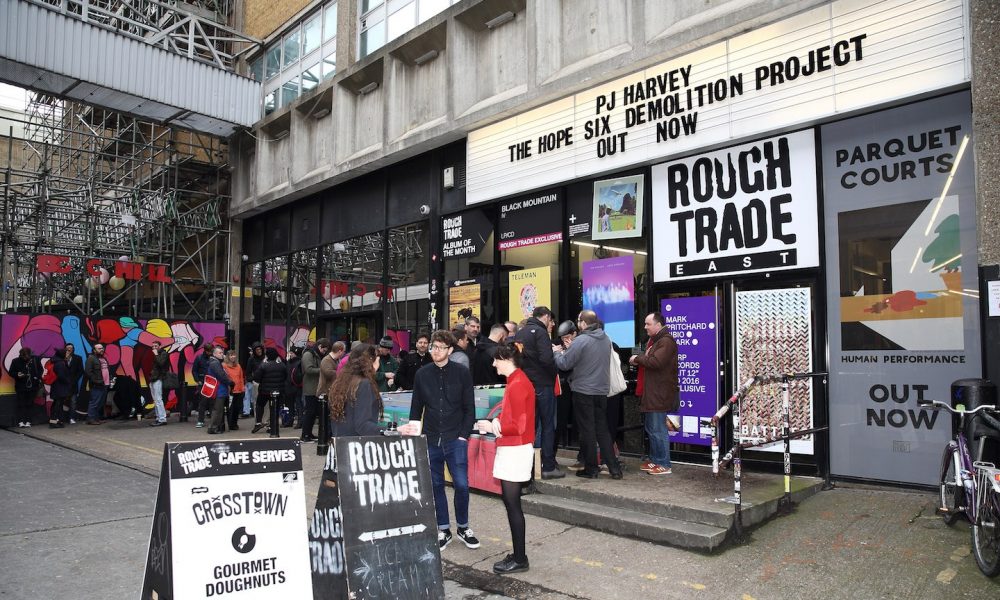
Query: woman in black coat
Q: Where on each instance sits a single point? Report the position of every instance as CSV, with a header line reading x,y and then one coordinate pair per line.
x,y
27,374
271,376
61,389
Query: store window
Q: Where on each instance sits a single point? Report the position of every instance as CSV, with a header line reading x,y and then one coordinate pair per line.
x,y
303,57
468,253
530,244
351,274
407,305
385,20
902,283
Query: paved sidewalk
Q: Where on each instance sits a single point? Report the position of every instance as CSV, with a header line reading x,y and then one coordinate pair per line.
x,y
852,543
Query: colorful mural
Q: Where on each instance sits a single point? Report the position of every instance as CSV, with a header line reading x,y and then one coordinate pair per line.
x,y
278,337
127,342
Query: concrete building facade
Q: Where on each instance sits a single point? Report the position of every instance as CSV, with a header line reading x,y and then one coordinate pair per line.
x,y
798,186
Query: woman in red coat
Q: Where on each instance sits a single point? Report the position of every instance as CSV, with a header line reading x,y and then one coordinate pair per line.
x,y
515,432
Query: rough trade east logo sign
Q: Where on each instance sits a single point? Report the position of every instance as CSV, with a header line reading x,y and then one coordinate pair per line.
x,y
744,209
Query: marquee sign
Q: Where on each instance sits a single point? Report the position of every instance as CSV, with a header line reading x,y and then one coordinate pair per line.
x,y
836,58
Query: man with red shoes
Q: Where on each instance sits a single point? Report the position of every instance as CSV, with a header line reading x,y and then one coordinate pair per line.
x,y
658,374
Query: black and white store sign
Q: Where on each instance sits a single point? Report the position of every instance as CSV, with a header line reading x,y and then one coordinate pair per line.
x,y
230,522
744,209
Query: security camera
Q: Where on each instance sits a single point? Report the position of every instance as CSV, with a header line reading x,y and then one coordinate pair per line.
x,y
425,210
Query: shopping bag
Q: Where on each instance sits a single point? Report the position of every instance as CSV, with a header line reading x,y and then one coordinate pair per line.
x,y
482,455
209,386
617,378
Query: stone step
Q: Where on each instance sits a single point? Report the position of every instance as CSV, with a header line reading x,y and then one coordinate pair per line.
x,y
624,522
716,515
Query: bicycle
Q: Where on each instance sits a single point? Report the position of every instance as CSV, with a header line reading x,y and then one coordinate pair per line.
x,y
972,487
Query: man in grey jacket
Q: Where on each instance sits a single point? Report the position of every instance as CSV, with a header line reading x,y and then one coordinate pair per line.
x,y
588,356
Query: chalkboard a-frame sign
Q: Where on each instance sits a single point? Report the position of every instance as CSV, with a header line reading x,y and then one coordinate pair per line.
x,y
387,522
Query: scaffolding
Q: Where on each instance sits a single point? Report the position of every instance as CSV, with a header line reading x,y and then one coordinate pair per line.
x,y
98,184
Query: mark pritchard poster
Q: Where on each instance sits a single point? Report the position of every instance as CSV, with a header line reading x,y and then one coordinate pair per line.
x,y
743,209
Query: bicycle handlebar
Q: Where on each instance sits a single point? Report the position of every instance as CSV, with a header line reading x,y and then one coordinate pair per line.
x,y
938,404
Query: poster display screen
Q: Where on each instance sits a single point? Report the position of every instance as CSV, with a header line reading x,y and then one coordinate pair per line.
x,y
609,291
693,323
903,305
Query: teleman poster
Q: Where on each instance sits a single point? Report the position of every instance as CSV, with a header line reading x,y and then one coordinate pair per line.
x,y
529,288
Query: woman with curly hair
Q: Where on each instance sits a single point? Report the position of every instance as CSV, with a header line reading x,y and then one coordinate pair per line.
x,y
355,403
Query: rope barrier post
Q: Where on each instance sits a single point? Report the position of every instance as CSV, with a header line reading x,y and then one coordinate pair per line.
x,y
324,426
785,504
737,476
274,430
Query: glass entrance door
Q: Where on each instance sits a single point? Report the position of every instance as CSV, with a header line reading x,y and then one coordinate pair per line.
x,y
352,327
773,331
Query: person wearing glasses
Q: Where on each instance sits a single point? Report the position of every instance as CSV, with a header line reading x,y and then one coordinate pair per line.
x,y
443,400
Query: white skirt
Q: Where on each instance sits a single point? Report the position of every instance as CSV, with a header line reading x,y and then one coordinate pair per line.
x,y
513,463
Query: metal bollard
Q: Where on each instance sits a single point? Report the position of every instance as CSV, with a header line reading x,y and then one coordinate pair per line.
x,y
323,445
274,431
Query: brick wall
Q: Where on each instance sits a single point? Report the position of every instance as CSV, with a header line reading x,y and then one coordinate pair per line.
x,y
263,17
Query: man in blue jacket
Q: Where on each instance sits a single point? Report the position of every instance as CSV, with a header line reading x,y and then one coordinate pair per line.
x,y
444,401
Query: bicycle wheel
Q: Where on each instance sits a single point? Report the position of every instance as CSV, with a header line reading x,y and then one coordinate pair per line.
x,y
986,534
952,492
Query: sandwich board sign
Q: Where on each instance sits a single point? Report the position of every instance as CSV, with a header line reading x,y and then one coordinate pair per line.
x,y
385,537
229,523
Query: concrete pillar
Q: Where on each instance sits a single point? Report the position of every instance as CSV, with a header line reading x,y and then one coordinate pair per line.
x,y
984,23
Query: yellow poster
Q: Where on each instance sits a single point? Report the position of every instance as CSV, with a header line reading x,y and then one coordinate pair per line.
x,y
529,288
463,301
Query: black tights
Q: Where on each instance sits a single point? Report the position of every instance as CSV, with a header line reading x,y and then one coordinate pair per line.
x,y
515,516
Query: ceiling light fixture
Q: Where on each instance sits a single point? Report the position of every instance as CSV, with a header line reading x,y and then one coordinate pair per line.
x,y
499,20
426,57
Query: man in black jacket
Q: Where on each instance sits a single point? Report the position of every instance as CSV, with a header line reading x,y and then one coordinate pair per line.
x,y
97,373
443,399
412,362
271,376
75,374
540,367
256,357
483,372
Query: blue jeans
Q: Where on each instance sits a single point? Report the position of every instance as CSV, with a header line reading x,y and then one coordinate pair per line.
x,y
545,425
95,410
456,454
156,391
659,438
248,398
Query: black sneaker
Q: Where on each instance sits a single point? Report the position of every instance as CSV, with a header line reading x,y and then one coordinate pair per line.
x,y
307,440
257,427
553,474
508,565
444,538
468,537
